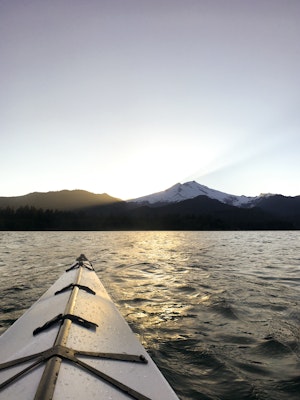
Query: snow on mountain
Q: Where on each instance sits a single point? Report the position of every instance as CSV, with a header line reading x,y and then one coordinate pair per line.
x,y
189,190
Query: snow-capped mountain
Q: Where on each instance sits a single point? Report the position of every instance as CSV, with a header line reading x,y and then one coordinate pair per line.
x,y
190,190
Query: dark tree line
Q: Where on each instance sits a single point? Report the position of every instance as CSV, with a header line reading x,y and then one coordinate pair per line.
x,y
30,218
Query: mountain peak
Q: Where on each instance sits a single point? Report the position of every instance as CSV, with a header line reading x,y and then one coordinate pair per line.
x,y
190,190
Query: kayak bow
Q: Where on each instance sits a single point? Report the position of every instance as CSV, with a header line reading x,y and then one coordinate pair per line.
x,y
74,344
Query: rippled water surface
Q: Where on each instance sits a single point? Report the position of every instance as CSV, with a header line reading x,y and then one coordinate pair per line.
x,y
218,311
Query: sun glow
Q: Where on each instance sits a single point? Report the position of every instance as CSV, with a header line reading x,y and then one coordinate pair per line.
x,y
154,168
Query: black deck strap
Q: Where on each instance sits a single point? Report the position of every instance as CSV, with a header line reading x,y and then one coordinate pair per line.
x,y
61,317
19,374
54,351
82,257
72,285
114,382
70,355
113,356
81,261
88,265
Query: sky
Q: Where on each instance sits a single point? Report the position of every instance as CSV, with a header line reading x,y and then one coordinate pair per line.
x,y
129,97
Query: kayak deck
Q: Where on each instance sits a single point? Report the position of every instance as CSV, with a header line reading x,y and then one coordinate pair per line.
x,y
74,344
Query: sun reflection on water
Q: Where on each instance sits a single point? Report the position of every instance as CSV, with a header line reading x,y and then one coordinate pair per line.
x,y
218,311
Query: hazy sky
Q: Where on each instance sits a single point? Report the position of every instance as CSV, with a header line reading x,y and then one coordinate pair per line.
x,y
130,97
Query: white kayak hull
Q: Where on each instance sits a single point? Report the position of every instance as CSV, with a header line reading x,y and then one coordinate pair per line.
x,y
78,346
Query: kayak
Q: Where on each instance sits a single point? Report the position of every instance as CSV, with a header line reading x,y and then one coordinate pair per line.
x,y
74,344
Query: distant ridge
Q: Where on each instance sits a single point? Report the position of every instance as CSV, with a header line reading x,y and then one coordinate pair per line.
x,y
188,206
64,200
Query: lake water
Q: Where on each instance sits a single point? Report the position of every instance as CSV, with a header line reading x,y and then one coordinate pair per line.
x,y
218,311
